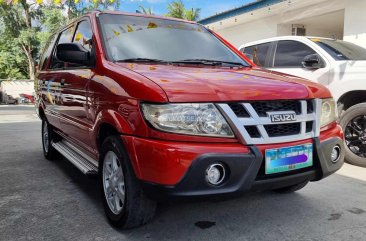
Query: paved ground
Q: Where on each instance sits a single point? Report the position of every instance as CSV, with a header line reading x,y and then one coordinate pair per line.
x,y
42,200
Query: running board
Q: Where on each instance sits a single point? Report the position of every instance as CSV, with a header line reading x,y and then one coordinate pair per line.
x,y
82,161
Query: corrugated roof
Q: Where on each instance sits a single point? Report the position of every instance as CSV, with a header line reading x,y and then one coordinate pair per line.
x,y
240,10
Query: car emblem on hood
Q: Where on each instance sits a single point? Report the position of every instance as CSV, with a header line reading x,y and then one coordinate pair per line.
x,y
284,116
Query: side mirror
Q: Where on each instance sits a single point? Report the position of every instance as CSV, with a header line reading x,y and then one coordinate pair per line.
x,y
249,56
312,61
73,53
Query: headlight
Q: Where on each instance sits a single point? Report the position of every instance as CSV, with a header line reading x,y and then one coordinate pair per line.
x,y
329,112
190,119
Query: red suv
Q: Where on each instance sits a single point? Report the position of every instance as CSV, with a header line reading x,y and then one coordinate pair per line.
x,y
161,107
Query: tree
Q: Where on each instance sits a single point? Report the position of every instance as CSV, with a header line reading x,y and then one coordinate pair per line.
x,y
18,20
176,9
146,10
192,14
21,22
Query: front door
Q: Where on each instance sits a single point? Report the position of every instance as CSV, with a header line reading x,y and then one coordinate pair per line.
x,y
74,82
288,57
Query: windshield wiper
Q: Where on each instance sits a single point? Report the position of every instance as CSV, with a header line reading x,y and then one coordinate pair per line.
x,y
141,60
208,62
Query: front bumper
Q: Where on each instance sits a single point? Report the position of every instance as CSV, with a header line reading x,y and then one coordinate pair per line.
x,y
245,173
167,170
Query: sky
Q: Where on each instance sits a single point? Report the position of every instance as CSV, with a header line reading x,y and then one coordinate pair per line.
x,y
208,7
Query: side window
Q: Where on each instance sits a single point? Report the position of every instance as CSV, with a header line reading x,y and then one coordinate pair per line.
x,y
259,53
291,53
47,52
83,35
65,37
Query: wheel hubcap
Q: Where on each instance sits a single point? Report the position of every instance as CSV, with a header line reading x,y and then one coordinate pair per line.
x,y
45,137
355,135
113,183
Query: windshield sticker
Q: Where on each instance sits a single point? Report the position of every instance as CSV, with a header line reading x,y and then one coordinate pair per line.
x,y
129,28
116,33
152,25
78,37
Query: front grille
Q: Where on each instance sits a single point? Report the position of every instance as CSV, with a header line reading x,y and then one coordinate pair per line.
x,y
283,129
309,106
253,123
253,131
262,107
239,110
309,126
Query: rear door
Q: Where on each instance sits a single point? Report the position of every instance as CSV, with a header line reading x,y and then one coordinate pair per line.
x,y
288,56
74,81
260,53
48,84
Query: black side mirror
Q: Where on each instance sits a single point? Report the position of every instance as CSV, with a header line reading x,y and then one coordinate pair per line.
x,y
73,53
249,56
312,61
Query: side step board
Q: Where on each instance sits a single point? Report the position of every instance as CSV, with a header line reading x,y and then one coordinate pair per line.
x,y
82,161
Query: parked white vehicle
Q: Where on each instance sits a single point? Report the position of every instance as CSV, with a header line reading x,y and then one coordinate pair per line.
x,y
339,65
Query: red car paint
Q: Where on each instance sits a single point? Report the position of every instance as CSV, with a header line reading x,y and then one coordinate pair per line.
x,y
111,93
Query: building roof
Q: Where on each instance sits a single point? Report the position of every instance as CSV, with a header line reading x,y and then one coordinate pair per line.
x,y
240,10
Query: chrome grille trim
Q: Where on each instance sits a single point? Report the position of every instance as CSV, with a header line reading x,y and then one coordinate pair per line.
x,y
238,123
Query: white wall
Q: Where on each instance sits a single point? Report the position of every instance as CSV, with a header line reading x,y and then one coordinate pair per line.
x,y
260,29
354,27
355,22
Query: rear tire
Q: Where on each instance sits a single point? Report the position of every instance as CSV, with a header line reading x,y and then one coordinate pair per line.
x,y
353,122
48,136
291,189
125,203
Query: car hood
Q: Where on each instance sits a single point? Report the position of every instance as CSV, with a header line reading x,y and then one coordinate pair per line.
x,y
213,84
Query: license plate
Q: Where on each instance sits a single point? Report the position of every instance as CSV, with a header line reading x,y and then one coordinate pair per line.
x,y
288,158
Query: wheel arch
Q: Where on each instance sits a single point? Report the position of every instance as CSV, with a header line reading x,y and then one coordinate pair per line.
x,y
350,99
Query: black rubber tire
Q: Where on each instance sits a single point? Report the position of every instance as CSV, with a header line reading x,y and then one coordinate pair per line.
x,y
347,116
137,209
51,153
291,189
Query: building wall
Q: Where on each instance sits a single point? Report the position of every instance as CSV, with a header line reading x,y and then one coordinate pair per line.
x,y
354,29
355,22
260,29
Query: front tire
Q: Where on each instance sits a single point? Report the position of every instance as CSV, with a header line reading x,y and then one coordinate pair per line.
x,y
48,136
353,122
125,203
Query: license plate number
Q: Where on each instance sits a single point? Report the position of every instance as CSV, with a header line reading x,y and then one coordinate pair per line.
x,y
288,158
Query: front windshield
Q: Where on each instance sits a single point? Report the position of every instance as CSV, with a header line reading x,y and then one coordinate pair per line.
x,y
341,50
134,37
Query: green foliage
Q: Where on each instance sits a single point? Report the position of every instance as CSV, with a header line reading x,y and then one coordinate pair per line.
x,y
192,14
176,9
146,10
25,27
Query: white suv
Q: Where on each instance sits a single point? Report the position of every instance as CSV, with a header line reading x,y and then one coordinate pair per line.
x,y
339,65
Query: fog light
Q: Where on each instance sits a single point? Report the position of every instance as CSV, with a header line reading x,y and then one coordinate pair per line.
x,y
335,154
215,174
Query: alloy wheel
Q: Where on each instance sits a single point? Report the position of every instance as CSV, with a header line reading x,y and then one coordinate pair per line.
x,y
113,182
355,135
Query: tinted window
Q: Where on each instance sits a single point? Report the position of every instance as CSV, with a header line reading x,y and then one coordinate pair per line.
x,y
291,53
341,50
259,53
128,37
65,37
84,35
47,52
